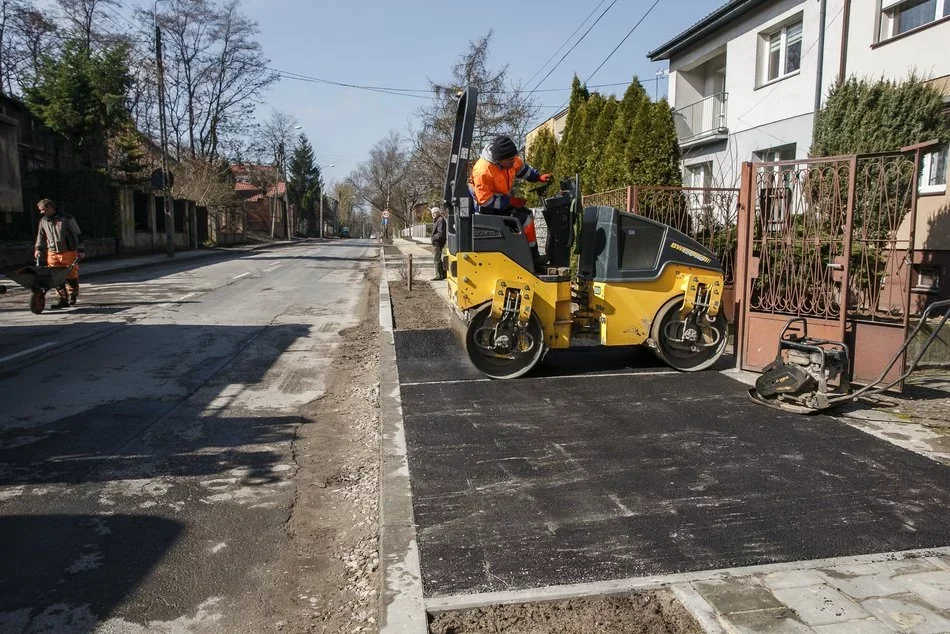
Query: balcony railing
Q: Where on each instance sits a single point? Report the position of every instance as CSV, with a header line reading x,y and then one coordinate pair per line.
x,y
704,119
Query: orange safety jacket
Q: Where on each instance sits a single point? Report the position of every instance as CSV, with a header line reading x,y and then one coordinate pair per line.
x,y
490,184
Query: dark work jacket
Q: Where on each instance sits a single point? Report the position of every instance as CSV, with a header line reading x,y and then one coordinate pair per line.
x,y
438,232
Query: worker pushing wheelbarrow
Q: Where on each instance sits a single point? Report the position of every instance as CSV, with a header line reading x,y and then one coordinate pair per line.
x,y
60,239
40,279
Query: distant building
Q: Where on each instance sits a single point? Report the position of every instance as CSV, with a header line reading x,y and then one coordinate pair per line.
x,y
555,124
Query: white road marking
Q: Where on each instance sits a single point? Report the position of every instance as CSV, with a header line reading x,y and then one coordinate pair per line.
x,y
274,267
184,297
28,351
549,378
237,277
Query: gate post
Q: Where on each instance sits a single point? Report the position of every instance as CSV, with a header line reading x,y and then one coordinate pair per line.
x,y
744,224
632,195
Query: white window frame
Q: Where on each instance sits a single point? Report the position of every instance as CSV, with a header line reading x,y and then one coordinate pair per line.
x,y
703,172
928,185
765,47
888,17
925,272
779,201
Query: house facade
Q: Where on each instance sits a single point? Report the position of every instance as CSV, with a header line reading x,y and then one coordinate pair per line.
x,y
746,81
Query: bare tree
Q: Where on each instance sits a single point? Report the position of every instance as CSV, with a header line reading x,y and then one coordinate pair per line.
x,y
83,17
208,184
25,35
502,109
378,181
216,73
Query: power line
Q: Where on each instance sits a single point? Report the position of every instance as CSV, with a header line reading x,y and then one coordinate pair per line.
x,y
563,57
579,26
629,33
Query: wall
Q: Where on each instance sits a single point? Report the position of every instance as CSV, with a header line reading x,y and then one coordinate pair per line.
x,y
923,50
760,117
11,194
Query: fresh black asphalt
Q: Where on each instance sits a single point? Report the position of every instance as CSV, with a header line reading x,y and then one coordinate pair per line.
x,y
571,478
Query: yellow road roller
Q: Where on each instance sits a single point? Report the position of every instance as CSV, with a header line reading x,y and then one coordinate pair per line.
x,y
635,282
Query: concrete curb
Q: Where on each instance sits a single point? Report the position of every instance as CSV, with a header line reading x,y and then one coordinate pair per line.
x,y
401,604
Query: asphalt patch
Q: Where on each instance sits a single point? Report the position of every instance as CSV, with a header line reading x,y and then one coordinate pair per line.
x,y
548,481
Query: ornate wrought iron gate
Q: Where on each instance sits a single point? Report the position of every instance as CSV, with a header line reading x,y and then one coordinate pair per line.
x,y
830,240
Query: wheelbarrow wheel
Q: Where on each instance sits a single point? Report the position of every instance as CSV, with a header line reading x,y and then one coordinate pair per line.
x,y
37,302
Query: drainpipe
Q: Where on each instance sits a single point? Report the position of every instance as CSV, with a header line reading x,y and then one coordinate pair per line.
x,y
822,14
845,23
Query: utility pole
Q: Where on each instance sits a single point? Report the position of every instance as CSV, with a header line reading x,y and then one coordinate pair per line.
x,y
166,185
283,175
321,211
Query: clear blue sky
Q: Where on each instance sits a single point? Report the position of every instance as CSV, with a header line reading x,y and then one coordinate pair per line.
x,y
404,44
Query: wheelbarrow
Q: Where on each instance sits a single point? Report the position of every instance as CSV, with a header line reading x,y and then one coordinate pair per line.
x,y
39,279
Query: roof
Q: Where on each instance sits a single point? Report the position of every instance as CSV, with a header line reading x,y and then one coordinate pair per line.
x,y
719,18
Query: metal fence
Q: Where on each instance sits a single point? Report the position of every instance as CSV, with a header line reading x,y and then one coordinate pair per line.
x,y
707,215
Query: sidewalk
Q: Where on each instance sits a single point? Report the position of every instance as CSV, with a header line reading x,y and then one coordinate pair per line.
x,y
882,592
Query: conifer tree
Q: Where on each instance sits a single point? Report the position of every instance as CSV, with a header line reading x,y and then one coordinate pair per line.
x,y
660,159
568,160
598,145
542,155
862,116
614,171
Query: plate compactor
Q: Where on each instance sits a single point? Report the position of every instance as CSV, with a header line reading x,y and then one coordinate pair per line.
x,y
809,375
637,282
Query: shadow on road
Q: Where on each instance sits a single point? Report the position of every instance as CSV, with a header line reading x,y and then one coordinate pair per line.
x,y
39,566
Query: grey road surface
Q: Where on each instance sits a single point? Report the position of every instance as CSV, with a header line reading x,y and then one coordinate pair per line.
x,y
146,439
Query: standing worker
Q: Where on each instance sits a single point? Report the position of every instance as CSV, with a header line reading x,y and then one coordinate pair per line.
x,y
438,241
59,235
492,180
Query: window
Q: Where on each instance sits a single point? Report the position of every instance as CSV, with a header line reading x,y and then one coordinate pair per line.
x,y
928,279
775,191
783,52
901,16
699,175
933,172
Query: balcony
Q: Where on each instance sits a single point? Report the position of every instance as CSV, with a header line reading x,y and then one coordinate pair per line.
x,y
703,121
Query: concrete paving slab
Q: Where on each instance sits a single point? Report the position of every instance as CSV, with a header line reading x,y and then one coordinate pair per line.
x,y
861,582
742,594
909,566
907,614
791,579
932,587
821,605
548,481
863,626
774,621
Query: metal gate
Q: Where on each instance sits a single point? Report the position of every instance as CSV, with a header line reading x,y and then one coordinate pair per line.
x,y
831,240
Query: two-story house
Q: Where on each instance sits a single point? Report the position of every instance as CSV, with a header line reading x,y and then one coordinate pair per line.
x,y
746,80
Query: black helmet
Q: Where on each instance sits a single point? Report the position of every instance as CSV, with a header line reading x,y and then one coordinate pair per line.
x,y
502,147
